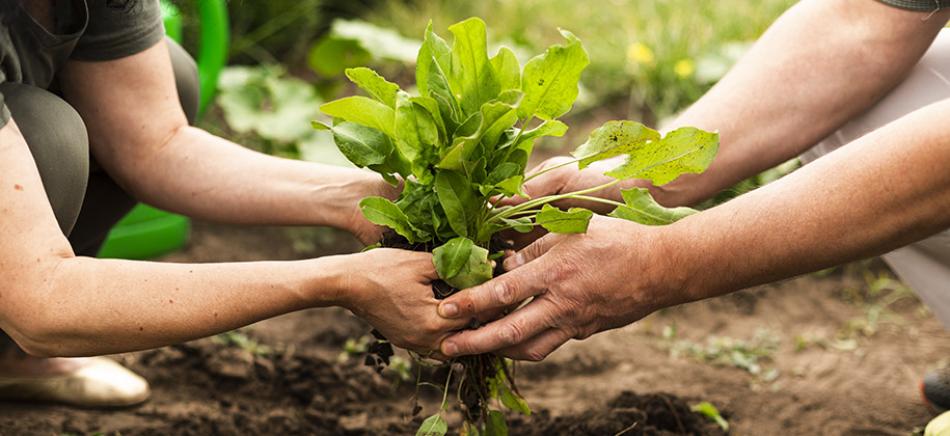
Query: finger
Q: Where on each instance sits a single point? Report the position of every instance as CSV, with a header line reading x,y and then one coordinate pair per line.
x,y
494,314
533,251
511,330
427,266
538,347
499,292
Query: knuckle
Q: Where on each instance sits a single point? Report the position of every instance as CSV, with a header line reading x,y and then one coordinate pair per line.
x,y
512,333
535,355
504,292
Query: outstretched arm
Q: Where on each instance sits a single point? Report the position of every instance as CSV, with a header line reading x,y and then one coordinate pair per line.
x,y
139,134
53,303
885,190
819,65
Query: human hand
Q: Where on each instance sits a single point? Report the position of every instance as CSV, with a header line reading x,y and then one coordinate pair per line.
x,y
615,274
392,290
357,224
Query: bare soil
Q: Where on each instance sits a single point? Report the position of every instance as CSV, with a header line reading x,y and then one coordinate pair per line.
x,y
838,365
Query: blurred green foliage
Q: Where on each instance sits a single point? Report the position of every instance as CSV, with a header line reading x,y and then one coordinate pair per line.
x,y
275,31
649,50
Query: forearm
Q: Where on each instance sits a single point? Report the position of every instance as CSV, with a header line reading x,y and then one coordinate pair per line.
x,y
84,306
883,191
204,176
820,64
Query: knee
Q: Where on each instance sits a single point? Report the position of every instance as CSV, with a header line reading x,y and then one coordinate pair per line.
x,y
57,138
186,79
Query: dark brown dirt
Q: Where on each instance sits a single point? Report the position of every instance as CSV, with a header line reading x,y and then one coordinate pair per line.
x,y
866,383
627,414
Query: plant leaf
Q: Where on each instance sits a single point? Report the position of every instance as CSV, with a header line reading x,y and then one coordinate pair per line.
x,y
613,139
471,71
450,257
377,86
710,411
416,132
520,225
575,220
550,81
513,401
383,212
434,425
435,52
363,111
495,119
507,69
363,146
458,200
684,150
642,208
432,107
496,425
475,271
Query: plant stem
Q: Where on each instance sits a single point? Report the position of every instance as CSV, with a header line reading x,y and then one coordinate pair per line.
x,y
549,169
597,200
445,392
548,199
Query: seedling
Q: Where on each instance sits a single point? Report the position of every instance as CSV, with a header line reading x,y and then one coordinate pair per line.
x,y
460,144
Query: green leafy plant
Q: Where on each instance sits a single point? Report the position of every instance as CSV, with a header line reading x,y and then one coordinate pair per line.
x,y
460,145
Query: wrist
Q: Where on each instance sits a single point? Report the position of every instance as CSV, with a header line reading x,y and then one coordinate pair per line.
x,y
674,272
330,282
693,269
336,204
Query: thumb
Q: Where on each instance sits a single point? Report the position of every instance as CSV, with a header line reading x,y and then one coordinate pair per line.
x,y
533,251
503,291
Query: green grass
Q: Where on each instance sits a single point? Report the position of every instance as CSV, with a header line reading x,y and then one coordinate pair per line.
x,y
663,54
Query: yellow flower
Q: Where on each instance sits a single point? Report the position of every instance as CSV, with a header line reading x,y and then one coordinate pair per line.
x,y
639,53
684,68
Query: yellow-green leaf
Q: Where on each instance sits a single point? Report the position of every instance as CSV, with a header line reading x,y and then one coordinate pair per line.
x,y
363,111
374,84
550,81
434,425
472,71
574,220
642,208
615,138
685,150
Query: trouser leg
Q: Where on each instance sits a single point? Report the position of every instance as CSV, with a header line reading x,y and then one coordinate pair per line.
x,y
924,266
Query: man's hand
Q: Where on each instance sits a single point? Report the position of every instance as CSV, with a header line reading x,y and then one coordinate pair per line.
x,y
582,284
392,290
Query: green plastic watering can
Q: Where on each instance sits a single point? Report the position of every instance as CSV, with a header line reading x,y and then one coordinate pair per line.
x,y
147,232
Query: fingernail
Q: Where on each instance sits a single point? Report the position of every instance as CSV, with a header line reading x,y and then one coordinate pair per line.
x,y
449,348
448,310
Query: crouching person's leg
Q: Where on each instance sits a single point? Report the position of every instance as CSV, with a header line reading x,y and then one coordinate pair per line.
x,y
58,141
87,203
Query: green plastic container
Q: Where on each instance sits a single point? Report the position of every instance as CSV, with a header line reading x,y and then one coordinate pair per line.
x,y
147,232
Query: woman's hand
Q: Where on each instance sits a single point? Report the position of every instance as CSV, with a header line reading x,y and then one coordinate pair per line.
x,y
392,290
370,186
